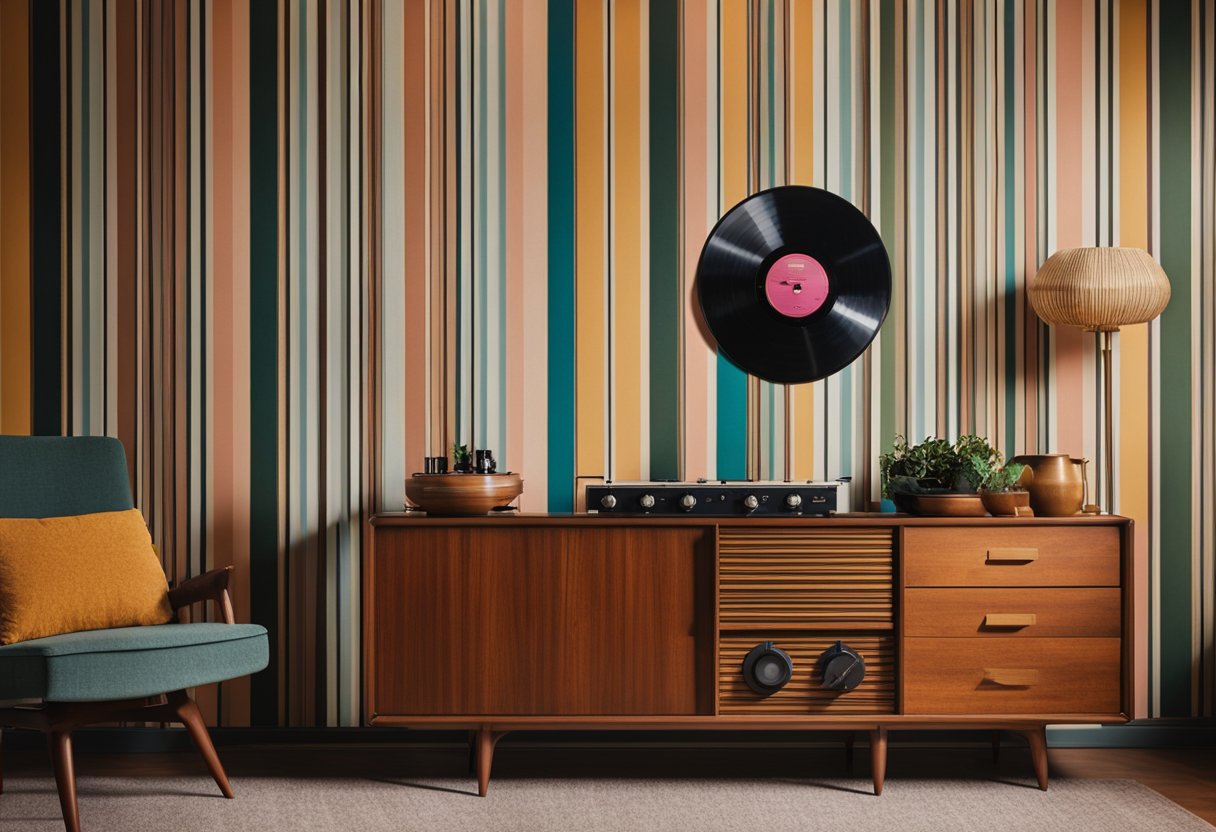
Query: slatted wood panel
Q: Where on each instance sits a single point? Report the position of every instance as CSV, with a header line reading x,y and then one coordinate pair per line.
x,y
803,695
838,579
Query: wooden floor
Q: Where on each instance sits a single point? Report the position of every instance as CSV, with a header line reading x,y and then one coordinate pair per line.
x,y
1185,775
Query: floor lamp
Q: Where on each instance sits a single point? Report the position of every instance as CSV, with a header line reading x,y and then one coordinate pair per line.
x,y
1100,290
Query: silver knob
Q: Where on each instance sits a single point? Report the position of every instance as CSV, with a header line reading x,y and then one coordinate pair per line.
x,y
750,502
608,501
646,501
793,500
687,502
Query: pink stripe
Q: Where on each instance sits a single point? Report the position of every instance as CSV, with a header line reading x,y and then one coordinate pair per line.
x,y
696,227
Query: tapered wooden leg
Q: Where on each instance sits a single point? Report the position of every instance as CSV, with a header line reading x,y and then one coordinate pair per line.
x,y
486,740
65,778
188,713
848,753
996,746
1037,737
878,758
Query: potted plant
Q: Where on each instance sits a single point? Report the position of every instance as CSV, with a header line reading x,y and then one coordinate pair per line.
x,y
936,476
462,460
998,487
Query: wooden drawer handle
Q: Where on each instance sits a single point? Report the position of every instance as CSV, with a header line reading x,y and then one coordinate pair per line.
x,y
1011,678
1012,555
1009,619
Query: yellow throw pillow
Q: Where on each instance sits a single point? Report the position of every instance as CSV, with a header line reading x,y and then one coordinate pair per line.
x,y
66,574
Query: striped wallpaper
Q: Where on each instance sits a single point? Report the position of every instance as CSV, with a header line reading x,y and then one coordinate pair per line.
x,y
286,248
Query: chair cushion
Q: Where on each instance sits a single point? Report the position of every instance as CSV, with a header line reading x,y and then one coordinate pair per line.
x,y
130,662
64,574
57,476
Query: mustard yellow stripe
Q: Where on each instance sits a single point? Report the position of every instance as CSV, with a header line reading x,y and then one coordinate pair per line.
x,y
589,166
627,343
15,311
734,118
1133,479
801,172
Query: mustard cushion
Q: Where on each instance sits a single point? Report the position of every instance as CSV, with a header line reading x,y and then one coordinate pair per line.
x,y
67,574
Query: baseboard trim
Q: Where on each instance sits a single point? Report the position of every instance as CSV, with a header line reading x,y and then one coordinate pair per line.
x,y
1144,734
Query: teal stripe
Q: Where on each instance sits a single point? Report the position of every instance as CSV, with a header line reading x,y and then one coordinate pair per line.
x,y
886,219
732,420
561,343
1175,364
264,347
665,307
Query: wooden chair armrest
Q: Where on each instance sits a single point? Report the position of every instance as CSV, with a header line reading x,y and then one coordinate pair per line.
x,y
210,586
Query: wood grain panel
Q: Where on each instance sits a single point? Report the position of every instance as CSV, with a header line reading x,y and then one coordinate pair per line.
x,y
805,578
961,613
1067,676
803,695
541,621
1063,556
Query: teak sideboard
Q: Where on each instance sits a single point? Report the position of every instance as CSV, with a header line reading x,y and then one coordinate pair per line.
x,y
502,623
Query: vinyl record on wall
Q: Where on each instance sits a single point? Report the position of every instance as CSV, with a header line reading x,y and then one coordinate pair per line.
x,y
794,283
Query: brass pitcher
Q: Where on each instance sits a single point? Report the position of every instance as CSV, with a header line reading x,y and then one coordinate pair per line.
x,y
1058,483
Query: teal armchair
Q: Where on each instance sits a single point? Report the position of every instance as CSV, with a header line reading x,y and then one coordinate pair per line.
x,y
128,674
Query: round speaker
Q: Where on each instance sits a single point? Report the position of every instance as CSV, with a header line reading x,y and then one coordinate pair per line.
x,y
843,667
767,669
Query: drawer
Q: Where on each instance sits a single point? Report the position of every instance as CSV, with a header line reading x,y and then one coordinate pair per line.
x,y
1011,676
1008,556
1012,613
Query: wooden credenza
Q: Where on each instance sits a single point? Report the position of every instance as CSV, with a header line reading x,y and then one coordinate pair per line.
x,y
494,624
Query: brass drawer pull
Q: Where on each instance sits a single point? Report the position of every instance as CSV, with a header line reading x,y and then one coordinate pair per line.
x,y
1009,619
1011,678
1012,555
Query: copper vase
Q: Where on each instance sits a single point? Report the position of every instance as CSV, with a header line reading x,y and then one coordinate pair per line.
x,y
1057,483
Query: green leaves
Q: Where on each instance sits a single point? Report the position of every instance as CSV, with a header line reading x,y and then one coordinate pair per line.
x,y
940,465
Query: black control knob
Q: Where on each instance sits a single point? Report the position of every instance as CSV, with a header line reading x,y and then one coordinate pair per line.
x,y
842,667
767,669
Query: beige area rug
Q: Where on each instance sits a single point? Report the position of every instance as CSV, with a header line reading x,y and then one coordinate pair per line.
x,y
534,805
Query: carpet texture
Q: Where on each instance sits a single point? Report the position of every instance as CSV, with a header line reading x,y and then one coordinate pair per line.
x,y
532,805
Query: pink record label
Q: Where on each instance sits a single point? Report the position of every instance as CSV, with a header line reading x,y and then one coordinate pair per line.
x,y
796,285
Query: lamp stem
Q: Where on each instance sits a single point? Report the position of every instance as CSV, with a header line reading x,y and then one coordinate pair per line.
x,y
1108,424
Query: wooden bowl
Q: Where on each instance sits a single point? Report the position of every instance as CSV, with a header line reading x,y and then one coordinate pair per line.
x,y
1007,503
447,495
949,505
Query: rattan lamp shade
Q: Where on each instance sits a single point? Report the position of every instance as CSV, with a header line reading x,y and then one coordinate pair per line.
x,y
1099,289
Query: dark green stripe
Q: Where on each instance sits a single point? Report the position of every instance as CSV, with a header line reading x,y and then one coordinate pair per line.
x,y
664,240
45,223
561,255
264,344
1176,450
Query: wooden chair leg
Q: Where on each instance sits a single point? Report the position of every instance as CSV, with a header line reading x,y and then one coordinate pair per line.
x,y
65,778
878,758
1037,737
188,713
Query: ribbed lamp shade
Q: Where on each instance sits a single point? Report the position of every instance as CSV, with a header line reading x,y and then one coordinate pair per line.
x,y
1099,289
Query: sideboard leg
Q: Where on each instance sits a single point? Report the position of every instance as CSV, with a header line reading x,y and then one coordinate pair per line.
x,y
848,753
996,747
486,740
1037,737
878,757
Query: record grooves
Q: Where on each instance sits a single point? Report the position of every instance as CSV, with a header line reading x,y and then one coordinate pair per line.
x,y
794,284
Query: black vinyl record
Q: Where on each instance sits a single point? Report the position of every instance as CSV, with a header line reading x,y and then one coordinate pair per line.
x,y
794,283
